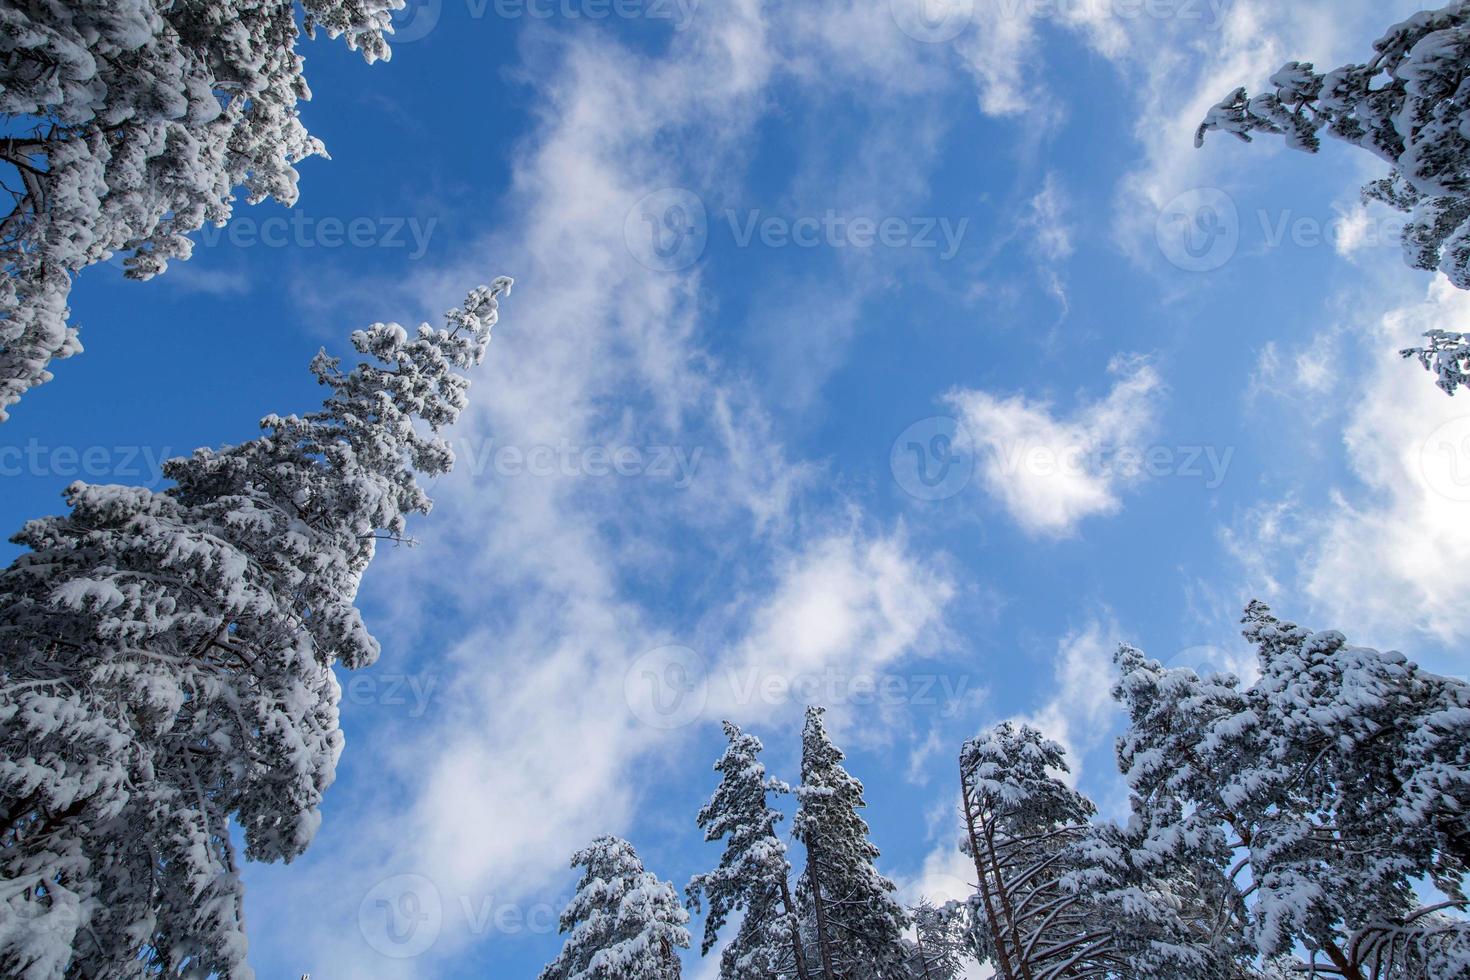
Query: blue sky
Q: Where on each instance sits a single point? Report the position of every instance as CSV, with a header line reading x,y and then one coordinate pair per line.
x,y
704,474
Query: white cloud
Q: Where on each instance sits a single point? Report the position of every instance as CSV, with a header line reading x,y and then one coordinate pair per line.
x,y
1355,231
1050,236
1050,472
554,583
1001,49
834,629
1389,557
1051,233
1080,713
1398,557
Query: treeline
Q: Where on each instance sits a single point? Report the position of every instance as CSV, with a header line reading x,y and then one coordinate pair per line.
x,y
1292,826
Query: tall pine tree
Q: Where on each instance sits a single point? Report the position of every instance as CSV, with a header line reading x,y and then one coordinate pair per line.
x,y
623,923
858,927
753,876
166,664
1021,826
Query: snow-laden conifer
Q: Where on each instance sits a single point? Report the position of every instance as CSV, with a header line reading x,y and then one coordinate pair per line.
x,y
753,879
623,923
856,924
1409,104
1021,824
166,664
1311,793
128,125
941,947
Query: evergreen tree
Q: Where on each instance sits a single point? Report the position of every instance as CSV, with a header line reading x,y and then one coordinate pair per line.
x,y
1021,825
753,876
1300,792
1410,106
941,944
166,664
129,124
858,927
623,923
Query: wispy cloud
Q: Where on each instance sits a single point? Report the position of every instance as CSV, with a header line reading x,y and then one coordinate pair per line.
x,y
538,738
1386,554
1051,471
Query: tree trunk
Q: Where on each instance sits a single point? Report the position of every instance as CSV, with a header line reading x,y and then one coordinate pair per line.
x,y
824,946
990,911
1005,901
795,920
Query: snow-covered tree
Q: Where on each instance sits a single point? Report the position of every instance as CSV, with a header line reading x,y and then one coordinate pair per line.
x,y
857,926
1325,792
753,877
940,947
1021,823
166,664
129,124
623,923
1410,105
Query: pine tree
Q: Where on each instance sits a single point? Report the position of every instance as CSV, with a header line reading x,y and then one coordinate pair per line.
x,y
623,923
166,664
1299,791
858,926
129,123
1410,106
940,947
753,876
1021,824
